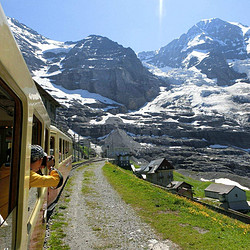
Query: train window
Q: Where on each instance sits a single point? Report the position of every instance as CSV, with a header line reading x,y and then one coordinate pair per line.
x,y
46,149
63,149
52,145
36,131
60,150
10,131
34,193
67,149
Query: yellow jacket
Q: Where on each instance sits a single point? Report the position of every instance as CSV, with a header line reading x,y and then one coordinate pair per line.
x,y
37,180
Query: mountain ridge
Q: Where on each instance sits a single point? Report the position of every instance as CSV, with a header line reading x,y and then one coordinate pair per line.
x,y
190,111
212,42
94,63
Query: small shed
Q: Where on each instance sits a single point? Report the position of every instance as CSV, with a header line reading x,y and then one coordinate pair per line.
x,y
231,196
159,172
181,187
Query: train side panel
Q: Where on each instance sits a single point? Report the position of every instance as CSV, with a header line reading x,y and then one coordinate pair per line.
x,y
61,148
22,105
23,121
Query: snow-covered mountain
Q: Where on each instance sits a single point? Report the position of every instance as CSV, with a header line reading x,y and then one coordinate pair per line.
x,y
210,46
208,69
193,108
95,64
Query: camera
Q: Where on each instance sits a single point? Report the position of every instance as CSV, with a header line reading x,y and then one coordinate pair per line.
x,y
44,162
46,159
50,158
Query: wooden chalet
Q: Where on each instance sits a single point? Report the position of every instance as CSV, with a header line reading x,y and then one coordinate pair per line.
x,y
181,187
159,172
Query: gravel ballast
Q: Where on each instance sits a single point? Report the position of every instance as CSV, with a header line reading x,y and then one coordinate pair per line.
x,y
99,219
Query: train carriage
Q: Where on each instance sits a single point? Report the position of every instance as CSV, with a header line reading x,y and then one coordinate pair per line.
x,y
61,148
23,121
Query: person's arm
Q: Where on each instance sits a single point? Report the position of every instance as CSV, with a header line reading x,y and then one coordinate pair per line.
x,y
37,180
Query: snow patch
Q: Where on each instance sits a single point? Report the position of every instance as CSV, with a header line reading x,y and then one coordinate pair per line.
x,y
230,182
217,146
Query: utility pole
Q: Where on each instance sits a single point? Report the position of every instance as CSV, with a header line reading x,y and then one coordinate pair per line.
x,y
78,147
74,147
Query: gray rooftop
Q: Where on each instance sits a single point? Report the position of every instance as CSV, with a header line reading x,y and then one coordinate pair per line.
x,y
220,188
154,165
176,184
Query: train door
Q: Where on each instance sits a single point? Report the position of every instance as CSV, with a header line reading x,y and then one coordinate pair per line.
x,y
10,141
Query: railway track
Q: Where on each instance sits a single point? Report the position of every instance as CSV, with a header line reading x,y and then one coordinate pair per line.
x,y
77,165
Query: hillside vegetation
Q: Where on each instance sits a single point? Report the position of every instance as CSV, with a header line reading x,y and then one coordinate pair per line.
x,y
190,225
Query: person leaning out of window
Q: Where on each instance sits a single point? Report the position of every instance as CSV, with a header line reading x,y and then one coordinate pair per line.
x,y
38,160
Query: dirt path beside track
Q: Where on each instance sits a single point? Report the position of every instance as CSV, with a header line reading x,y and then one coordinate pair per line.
x,y
99,219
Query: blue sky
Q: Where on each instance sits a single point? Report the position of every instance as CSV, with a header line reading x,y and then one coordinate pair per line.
x,y
139,24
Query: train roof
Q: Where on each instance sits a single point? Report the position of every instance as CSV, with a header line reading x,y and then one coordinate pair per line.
x,y
14,72
54,129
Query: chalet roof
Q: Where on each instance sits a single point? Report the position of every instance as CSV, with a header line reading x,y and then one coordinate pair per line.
x,y
221,188
155,165
176,184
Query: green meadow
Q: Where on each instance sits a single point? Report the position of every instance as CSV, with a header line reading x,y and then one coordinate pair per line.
x,y
187,223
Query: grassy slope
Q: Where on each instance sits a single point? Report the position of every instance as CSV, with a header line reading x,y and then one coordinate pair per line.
x,y
190,225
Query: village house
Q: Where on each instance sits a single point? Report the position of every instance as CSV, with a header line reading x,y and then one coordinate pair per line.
x,y
123,160
231,197
119,147
119,156
159,172
181,187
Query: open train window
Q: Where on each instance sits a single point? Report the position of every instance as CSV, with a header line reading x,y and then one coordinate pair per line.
x,y
67,149
52,145
36,131
10,141
63,152
46,141
34,193
60,150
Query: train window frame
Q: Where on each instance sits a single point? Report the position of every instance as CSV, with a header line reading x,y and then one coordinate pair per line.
x,y
15,145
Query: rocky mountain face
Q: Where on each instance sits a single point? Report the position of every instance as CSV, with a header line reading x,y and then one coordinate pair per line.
x,y
206,46
196,99
102,66
95,64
